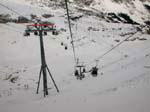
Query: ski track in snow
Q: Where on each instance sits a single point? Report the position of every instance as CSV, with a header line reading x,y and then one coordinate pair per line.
x,y
132,83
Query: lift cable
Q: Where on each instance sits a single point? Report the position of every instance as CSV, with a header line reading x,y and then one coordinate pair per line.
x,y
68,22
71,34
114,47
107,43
72,42
10,9
116,61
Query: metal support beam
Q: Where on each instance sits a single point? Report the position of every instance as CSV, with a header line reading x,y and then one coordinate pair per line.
x,y
40,29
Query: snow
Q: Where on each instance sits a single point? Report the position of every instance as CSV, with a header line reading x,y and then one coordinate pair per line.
x,y
135,9
123,87
21,7
108,5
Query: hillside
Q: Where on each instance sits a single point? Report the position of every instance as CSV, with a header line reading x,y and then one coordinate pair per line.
x,y
138,10
122,84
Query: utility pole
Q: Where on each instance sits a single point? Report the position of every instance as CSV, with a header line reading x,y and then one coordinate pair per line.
x,y
41,29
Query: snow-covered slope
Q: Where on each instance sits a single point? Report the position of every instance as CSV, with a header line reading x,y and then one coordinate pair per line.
x,y
122,84
134,8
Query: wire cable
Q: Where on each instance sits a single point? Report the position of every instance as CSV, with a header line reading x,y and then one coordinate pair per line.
x,y
10,9
115,47
71,35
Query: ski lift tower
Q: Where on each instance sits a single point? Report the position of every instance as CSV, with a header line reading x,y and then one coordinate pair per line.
x,y
40,29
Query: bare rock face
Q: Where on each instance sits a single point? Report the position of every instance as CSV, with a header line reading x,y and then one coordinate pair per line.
x,y
125,11
4,18
85,2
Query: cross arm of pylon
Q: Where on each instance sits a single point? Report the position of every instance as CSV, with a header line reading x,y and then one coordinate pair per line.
x,y
44,27
34,28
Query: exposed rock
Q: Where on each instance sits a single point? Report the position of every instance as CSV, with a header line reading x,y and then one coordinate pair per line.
x,y
4,18
22,19
147,23
47,15
147,7
75,18
14,79
127,19
117,40
33,16
85,2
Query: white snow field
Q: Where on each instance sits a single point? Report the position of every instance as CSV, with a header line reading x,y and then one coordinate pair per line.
x,y
122,84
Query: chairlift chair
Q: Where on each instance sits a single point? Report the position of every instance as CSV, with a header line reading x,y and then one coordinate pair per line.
x,y
45,33
26,34
76,73
35,33
94,71
54,32
62,43
66,47
84,70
